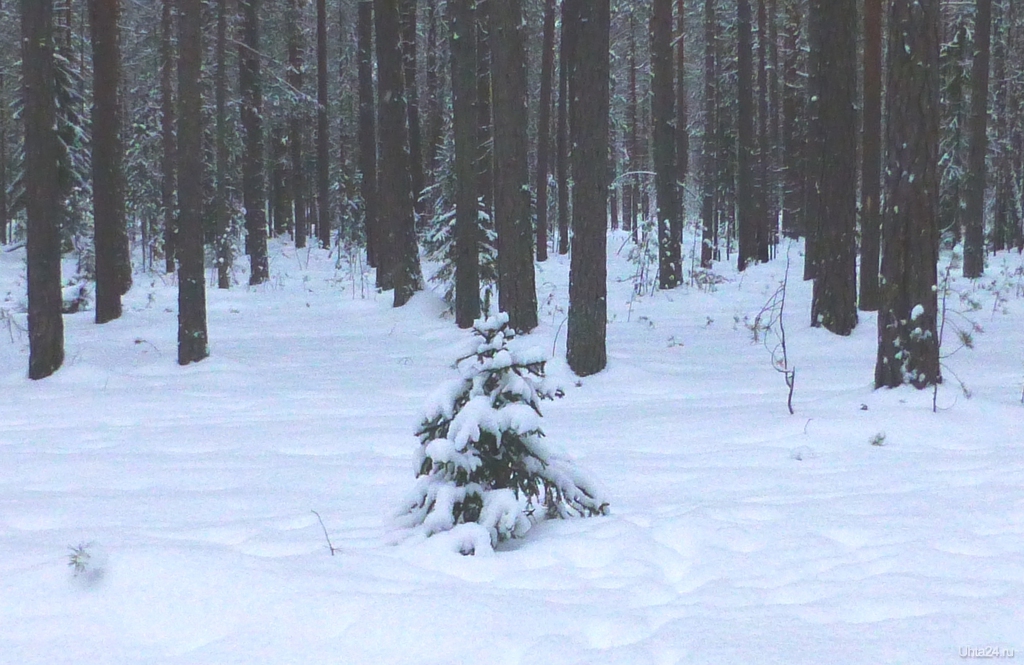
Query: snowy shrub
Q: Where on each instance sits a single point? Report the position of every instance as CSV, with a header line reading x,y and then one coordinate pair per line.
x,y
483,461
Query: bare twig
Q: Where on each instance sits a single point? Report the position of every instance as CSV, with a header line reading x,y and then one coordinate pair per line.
x,y
329,544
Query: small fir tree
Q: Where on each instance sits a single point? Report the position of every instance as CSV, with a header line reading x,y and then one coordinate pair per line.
x,y
484,467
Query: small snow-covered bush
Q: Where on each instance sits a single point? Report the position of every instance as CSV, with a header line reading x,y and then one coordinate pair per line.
x,y
483,459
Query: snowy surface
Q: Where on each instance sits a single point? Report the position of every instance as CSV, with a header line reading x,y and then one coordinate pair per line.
x,y
738,533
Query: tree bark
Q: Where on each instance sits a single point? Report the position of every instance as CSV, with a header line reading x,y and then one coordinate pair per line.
x,y
746,195
562,134
435,119
368,135
871,157
485,181
168,140
192,335
794,91
670,269
834,304
296,121
412,101
589,93
462,46
544,127
113,263
908,344
42,201
223,221
323,137
517,291
709,153
974,213
251,85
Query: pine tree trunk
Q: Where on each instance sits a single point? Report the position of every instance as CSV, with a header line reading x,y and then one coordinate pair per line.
x,y
517,292
562,136
589,94
435,120
746,195
792,116
409,34
223,222
323,137
168,157
834,305
670,273
399,257
192,336
709,154
113,266
871,157
908,344
296,121
682,121
766,224
251,89
544,127
1002,231
368,135
4,214
814,146
462,45
974,213
485,158
42,201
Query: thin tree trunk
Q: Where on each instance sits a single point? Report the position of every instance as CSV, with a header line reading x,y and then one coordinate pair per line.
x,y
747,208
223,222
323,137
765,227
42,201
168,140
871,157
296,121
544,128
485,183
562,136
589,94
670,273
792,143
412,105
435,120
974,212
517,291
682,121
251,85
192,335
462,45
709,154
368,136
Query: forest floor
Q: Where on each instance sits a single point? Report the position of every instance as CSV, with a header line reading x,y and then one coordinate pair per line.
x,y
862,529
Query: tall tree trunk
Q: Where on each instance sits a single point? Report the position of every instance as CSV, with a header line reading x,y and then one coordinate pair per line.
x,y
223,221
871,157
1002,226
792,140
766,226
113,262
462,46
974,214
296,120
435,120
589,94
323,137
908,344
834,304
42,201
814,146
544,127
368,135
562,135
670,269
682,130
4,216
709,154
746,195
517,291
400,255
192,336
254,198
485,183
412,100
168,139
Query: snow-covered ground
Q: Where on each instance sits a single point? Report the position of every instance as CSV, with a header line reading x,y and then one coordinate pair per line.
x,y
738,533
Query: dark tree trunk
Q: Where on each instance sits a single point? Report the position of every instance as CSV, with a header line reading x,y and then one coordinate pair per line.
x,y
746,195
4,216
485,183
589,93
834,304
296,121
709,154
409,32
435,119
399,257
462,45
974,213
544,128
368,135
169,141
908,344
280,192
221,196
517,291
42,201
871,157
633,141
763,172
681,124
562,135
670,269
794,92
113,263
814,147
1002,226
251,85
192,336
323,137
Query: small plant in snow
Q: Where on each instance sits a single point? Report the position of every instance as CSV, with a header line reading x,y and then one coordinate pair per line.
x,y
483,465
878,439
964,327
78,559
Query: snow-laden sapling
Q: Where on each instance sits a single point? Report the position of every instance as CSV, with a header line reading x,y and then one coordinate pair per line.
x,y
484,468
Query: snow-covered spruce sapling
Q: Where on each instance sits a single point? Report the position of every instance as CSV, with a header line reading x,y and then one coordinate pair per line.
x,y
484,467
